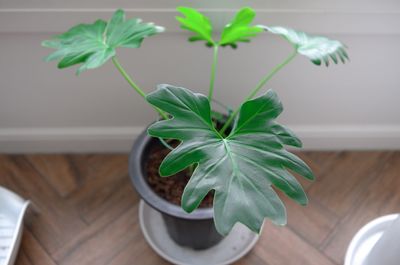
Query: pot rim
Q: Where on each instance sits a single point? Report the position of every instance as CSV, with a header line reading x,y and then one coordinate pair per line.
x,y
136,174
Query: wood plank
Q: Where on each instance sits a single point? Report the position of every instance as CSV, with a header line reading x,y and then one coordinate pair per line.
x,y
91,217
99,244
352,173
312,222
58,170
103,171
280,245
32,252
381,197
108,202
319,162
107,190
104,164
251,258
138,252
22,259
55,221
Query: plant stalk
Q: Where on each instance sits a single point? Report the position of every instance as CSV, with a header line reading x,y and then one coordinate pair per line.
x,y
133,84
259,86
271,74
213,70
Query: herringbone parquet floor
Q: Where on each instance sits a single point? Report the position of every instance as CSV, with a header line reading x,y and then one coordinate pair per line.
x,y
86,209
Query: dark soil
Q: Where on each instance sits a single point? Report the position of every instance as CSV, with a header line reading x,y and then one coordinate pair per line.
x,y
169,188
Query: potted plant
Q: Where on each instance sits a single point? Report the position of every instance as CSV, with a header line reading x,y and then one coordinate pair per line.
x,y
233,159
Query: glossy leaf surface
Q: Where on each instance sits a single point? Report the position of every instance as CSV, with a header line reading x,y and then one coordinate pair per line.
x,y
240,29
94,44
197,23
317,49
240,167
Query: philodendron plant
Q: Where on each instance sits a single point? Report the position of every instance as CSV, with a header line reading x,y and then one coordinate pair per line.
x,y
242,157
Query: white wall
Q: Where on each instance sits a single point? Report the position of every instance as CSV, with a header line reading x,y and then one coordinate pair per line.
x,y
346,106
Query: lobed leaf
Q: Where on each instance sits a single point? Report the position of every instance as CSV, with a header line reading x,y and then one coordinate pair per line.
x,y
196,22
317,49
240,168
92,45
239,30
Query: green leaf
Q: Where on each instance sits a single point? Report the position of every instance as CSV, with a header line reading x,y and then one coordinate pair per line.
x,y
317,49
196,22
92,45
240,167
239,30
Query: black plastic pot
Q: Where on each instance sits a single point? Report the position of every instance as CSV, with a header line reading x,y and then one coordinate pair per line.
x,y
195,230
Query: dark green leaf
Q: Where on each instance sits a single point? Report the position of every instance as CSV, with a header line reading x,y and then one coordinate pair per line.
x,y
239,29
240,167
94,44
196,22
317,49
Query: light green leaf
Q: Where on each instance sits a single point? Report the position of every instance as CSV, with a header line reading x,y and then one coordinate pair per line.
x,y
94,44
240,167
196,22
239,30
317,49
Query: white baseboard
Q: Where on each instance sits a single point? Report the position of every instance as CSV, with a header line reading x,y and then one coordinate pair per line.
x,y
120,139
366,137
68,140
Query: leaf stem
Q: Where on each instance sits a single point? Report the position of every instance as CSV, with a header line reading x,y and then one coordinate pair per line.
x,y
133,84
271,74
259,86
213,70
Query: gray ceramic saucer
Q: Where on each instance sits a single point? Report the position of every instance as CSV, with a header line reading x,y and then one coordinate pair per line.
x,y
237,244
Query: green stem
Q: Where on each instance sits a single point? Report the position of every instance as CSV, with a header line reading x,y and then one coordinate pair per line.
x,y
213,70
259,86
271,74
133,85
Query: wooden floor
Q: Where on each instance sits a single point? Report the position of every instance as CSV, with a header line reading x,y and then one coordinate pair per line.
x,y
86,209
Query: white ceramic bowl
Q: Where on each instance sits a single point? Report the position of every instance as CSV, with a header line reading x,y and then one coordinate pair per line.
x,y
12,211
366,238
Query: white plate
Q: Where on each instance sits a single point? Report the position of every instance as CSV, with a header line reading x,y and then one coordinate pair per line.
x,y
237,244
366,238
12,211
